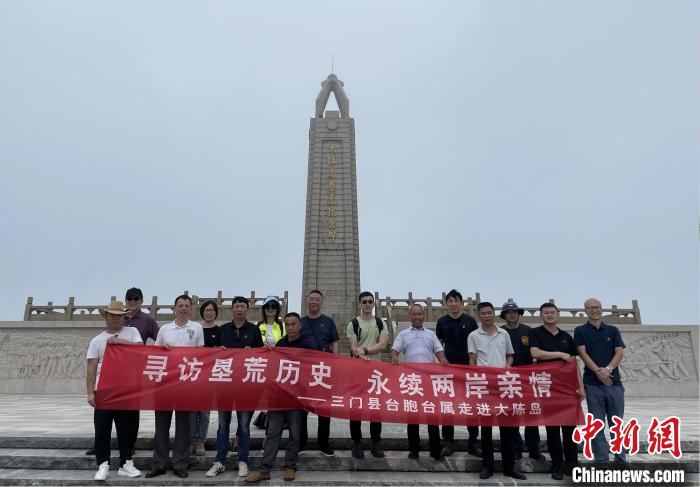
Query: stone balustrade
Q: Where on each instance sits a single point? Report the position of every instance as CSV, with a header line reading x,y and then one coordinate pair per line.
x,y
435,308
384,306
159,311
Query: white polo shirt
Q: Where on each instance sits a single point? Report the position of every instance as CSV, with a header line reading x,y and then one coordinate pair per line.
x,y
189,335
490,350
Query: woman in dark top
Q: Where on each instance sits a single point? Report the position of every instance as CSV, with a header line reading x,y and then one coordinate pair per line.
x,y
209,311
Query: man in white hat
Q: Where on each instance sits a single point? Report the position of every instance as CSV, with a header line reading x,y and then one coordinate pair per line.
x,y
126,422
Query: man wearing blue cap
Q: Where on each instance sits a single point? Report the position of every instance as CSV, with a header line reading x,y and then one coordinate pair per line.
x,y
520,339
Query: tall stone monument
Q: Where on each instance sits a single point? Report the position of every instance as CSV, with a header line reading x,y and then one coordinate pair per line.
x,y
331,243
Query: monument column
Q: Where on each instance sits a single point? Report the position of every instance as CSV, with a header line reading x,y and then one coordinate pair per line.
x,y
331,243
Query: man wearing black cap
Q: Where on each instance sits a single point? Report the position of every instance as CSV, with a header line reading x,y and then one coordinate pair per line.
x,y
520,338
146,325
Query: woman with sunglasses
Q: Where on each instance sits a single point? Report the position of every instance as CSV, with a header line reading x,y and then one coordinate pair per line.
x,y
271,326
271,329
209,311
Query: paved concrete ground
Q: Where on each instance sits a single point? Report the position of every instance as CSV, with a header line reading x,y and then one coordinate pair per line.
x,y
50,419
72,416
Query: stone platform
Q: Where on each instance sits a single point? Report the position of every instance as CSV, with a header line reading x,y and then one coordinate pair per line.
x,y
43,439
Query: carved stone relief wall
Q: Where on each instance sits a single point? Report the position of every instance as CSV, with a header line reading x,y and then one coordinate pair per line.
x,y
49,358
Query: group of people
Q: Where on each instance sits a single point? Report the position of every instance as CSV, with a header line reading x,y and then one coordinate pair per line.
x,y
458,339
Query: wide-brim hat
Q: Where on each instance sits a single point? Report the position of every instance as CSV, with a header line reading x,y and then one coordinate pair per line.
x,y
114,308
510,306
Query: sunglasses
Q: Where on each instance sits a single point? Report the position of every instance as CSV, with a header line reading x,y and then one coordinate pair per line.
x,y
132,298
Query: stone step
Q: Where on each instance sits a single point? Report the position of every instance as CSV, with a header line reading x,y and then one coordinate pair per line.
x,y
310,460
256,442
311,478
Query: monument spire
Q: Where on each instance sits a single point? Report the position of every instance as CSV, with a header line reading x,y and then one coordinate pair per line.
x,y
331,242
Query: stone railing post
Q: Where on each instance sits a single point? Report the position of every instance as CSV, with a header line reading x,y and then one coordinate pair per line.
x,y
69,309
615,311
285,307
635,311
429,305
28,308
377,305
153,308
470,307
195,307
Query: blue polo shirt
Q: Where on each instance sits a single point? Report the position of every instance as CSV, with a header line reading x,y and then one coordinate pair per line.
x,y
321,331
600,346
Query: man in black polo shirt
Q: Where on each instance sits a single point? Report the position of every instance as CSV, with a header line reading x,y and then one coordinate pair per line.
x,y
600,347
520,338
239,333
276,419
548,342
321,329
452,330
145,324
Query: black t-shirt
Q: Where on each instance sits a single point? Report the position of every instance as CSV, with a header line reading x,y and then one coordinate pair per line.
x,y
247,335
545,341
453,334
211,336
300,342
520,338
321,330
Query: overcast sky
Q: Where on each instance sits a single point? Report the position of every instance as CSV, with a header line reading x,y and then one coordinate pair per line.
x,y
524,149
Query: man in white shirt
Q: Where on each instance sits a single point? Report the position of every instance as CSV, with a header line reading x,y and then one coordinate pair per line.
x,y
179,333
126,422
419,345
490,346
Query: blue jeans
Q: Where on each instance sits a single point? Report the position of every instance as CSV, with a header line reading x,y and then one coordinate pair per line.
x,y
222,434
604,402
200,425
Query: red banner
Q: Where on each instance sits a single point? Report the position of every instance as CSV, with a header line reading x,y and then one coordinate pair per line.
x,y
203,379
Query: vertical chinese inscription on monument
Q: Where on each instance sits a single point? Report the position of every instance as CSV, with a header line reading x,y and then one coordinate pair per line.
x,y
330,210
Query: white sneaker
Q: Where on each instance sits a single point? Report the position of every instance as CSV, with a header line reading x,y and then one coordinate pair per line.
x,y
102,471
243,469
215,469
128,470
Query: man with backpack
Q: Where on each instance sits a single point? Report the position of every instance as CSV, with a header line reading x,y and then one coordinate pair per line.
x,y
368,338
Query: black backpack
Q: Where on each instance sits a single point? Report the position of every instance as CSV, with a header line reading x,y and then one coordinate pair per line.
x,y
358,332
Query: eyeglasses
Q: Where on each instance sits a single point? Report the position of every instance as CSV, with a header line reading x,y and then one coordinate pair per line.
x,y
594,308
367,301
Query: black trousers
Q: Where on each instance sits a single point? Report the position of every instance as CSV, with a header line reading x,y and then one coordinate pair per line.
x,y
127,424
532,439
375,430
413,432
448,434
323,433
181,445
507,453
561,448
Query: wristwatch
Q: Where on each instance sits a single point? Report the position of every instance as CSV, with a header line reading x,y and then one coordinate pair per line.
x,y
609,369
365,349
